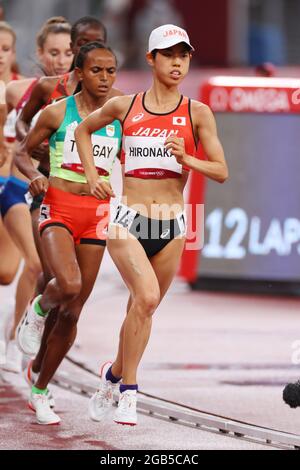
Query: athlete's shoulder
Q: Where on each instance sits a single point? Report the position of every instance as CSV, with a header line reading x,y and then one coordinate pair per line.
x,y
16,84
199,107
122,100
51,116
54,112
120,103
200,111
58,106
47,84
16,88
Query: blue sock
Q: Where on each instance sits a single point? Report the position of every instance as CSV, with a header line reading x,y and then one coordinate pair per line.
x,y
123,387
110,376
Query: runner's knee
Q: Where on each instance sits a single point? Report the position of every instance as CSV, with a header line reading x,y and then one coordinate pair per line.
x,y
70,288
146,303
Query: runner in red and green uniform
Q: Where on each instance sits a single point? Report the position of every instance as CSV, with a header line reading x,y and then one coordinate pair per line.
x,y
47,90
54,55
72,222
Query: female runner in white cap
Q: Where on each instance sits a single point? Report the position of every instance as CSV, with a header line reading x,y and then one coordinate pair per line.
x,y
161,130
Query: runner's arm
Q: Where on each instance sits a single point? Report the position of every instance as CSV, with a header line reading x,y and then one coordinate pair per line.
x,y
113,109
48,121
31,108
215,166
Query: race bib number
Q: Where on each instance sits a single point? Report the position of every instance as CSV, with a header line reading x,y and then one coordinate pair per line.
x,y
181,219
28,198
44,213
124,216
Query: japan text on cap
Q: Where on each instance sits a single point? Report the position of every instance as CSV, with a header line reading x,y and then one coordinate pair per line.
x,y
168,35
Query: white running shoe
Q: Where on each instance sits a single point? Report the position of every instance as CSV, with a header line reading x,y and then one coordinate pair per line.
x,y
6,319
102,401
13,358
30,330
31,378
126,411
40,404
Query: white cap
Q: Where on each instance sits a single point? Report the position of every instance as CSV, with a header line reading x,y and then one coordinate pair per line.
x,y
167,35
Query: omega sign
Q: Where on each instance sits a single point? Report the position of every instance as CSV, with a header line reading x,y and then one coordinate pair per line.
x,y
260,100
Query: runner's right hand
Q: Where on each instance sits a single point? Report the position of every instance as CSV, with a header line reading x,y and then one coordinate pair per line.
x,y
38,185
101,189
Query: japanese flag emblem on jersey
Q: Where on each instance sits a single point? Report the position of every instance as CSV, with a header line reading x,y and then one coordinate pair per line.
x,y
179,121
110,130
